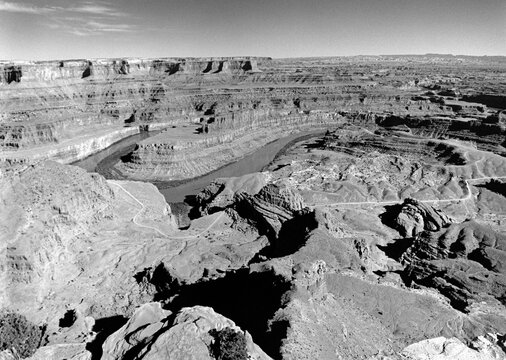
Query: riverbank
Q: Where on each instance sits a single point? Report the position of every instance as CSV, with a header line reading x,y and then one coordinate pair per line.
x,y
253,162
176,191
180,154
292,143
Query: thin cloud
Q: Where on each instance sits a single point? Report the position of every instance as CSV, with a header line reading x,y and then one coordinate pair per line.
x,y
25,8
90,8
77,32
98,26
97,9
89,27
88,18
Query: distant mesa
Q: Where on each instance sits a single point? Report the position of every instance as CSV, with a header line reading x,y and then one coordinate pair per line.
x,y
83,68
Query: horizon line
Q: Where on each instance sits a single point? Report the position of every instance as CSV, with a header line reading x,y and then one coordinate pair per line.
x,y
250,57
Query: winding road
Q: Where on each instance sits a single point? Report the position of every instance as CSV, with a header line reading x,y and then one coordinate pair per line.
x,y
134,219
394,202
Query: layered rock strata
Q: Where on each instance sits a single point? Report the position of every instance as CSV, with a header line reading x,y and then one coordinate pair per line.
x,y
45,104
415,217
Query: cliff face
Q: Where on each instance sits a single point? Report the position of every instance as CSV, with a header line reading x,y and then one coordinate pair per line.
x,y
47,104
76,69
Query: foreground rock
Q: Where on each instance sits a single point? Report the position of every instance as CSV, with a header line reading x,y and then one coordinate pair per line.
x,y
442,348
44,210
78,247
154,333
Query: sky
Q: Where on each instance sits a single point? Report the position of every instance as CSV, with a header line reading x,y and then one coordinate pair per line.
x,y
69,29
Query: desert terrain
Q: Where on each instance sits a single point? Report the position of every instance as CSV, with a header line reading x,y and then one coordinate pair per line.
x,y
253,208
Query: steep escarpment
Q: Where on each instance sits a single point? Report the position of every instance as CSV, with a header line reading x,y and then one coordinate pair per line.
x,y
68,69
64,101
67,101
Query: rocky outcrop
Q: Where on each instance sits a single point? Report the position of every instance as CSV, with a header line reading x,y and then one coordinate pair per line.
x,y
492,100
330,314
441,348
147,322
44,208
154,333
271,207
414,217
465,262
221,193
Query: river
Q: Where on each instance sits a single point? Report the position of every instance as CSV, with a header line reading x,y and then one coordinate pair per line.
x,y
176,191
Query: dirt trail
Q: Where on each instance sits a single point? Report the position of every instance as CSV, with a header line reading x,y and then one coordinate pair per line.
x,y
436,201
134,219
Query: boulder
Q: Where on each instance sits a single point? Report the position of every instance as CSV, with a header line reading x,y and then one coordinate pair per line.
x,y
442,348
415,217
153,333
139,330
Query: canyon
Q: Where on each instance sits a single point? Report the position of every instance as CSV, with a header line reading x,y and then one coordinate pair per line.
x,y
308,208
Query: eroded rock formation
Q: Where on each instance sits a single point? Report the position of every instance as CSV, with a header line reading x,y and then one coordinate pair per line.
x,y
227,103
154,333
464,261
303,260
415,217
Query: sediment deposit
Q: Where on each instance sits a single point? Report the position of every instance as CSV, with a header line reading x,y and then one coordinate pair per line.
x,y
379,236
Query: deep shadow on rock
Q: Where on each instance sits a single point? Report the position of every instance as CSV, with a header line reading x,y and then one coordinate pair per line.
x,y
496,186
104,327
249,299
395,249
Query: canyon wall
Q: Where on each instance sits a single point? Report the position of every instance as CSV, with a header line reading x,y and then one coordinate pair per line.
x,y
45,105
